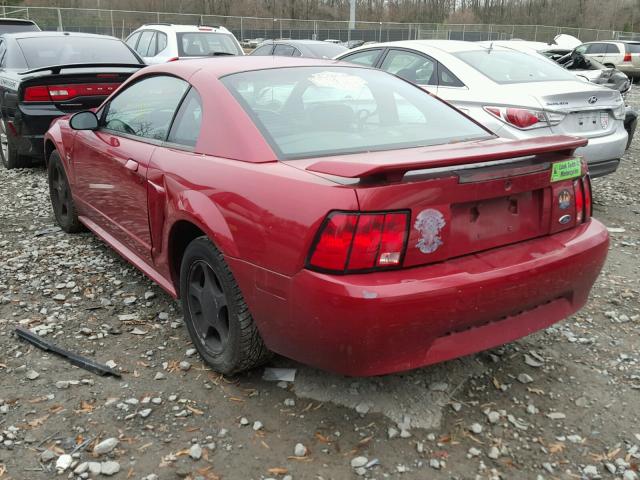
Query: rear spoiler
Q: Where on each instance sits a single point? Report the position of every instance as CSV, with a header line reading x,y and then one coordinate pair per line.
x,y
55,69
451,154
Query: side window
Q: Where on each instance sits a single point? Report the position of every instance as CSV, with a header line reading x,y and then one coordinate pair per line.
x,y
597,48
143,43
297,53
446,78
612,49
367,57
263,50
411,66
3,53
186,126
145,109
133,39
162,41
151,51
283,50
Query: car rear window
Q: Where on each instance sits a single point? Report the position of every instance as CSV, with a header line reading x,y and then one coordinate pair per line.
x,y
202,44
319,111
66,50
514,67
16,27
329,50
633,47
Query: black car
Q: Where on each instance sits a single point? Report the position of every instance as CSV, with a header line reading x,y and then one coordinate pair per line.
x,y
15,25
44,75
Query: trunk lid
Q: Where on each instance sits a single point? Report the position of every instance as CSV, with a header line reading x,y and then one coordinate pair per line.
x,y
467,197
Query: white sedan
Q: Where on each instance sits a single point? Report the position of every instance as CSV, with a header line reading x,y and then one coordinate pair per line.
x,y
514,94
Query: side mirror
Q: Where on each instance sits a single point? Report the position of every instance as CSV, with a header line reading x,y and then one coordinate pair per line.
x,y
86,120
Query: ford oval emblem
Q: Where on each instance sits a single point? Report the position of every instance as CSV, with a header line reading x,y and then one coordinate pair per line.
x,y
592,100
564,219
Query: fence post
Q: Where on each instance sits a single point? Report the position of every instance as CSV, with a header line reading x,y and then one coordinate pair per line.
x,y
380,35
535,35
201,20
60,27
27,13
113,30
464,25
241,30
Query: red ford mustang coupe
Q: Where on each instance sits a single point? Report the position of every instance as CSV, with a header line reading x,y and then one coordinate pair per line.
x,y
334,214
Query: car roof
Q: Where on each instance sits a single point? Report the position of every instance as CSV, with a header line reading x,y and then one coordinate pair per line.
x,y
57,34
298,42
221,66
179,28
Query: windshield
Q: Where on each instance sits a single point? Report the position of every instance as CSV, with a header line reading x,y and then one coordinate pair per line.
x,y
67,49
513,67
202,44
318,111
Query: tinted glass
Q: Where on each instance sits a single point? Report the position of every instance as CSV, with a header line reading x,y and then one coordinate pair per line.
x,y
633,47
297,53
283,50
151,51
202,44
612,48
63,50
367,58
514,67
597,48
446,78
186,126
315,111
145,41
264,50
18,27
145,109
3,53
410,66
162,41
133,39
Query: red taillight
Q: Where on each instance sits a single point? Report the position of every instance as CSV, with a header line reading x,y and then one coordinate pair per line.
x,y
627,57
349,242
518,117
59,93
578,194
588,202
36,94
173,59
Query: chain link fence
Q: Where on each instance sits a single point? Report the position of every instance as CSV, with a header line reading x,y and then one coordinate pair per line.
x,y
120,23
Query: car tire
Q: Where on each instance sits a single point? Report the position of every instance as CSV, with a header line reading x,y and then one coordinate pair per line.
x,y
9,150
215,313
64,209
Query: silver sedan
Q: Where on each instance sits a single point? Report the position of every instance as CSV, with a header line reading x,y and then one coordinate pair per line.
x,y
513,94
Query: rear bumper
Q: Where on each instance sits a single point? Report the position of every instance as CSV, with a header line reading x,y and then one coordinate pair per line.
x,y
31,122
379,323
629,69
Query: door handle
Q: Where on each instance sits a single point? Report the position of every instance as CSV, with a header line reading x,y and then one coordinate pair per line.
x,y
131,165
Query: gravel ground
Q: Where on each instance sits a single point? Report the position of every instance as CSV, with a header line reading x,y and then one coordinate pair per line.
x,y
560,404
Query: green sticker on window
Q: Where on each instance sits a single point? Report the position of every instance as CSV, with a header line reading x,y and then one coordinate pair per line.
x,y
566,170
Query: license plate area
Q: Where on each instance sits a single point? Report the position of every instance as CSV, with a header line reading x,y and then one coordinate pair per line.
x,y
591,121
499,221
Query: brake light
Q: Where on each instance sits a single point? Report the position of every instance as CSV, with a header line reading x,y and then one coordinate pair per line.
x,y
578,194
351,241
522,117
173,59
627,57
588,201
59,93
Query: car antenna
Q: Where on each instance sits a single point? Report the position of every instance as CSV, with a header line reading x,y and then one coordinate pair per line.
x,y
490,47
